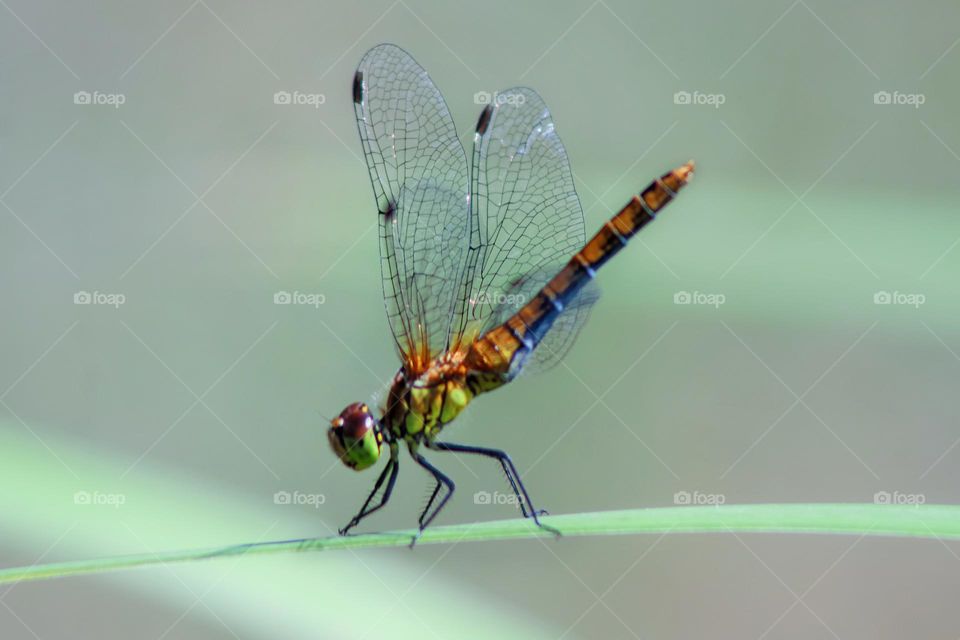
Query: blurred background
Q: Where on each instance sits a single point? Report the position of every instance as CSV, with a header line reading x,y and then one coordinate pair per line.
x,y
155,198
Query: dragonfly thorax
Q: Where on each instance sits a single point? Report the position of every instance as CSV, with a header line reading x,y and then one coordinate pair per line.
x,y
418,406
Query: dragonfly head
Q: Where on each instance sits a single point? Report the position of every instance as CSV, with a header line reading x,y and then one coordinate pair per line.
x,y
355,437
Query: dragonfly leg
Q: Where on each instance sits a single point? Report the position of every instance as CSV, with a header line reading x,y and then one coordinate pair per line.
x,y
427,516
519,490
433,496
393,466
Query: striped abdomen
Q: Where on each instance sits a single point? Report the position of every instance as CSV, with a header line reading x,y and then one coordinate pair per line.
x,y
501,350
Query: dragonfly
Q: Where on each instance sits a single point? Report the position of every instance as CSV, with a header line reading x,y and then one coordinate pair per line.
x,y
485,267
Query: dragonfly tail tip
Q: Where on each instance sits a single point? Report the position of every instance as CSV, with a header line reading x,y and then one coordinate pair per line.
x,y
685,172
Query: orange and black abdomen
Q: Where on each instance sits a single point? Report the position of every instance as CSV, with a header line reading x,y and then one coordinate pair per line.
x,y
502,348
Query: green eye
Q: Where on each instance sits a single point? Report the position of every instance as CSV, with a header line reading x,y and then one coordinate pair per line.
x,y
355,437
365,452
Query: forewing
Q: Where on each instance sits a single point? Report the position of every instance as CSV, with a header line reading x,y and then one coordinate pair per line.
x,y
418,170
525,211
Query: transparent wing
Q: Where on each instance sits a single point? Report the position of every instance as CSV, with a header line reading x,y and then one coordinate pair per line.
x,y
525,213
561,336
418,170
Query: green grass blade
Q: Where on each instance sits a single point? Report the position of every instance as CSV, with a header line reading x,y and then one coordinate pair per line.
x,y
917,521
168,508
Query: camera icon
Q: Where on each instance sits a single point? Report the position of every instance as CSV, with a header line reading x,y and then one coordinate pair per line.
x,y
682,297
282,97
281,497
81,97
282,297
682,97
82,297
482,497
482,97
681,497
882,97
882,497
882,297
81,497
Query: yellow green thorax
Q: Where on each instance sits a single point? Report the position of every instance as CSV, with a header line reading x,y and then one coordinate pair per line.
x,y
419,408
431,407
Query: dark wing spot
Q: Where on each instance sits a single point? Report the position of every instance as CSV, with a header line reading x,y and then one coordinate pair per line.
x,y
358,87
390,211
484,120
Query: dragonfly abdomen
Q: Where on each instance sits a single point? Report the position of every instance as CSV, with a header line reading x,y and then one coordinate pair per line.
x,y
503,349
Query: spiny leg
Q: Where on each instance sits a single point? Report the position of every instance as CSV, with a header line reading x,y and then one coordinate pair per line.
x,y
426,517
519,490
393,466
508,469
433,496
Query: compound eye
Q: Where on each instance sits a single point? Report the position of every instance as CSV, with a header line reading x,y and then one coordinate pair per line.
x,y
355,437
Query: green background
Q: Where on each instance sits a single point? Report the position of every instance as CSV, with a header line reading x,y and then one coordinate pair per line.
x,y
198,399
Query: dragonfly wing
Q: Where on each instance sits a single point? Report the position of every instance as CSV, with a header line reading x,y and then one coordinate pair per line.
x,y
565,329
525,212
418,170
